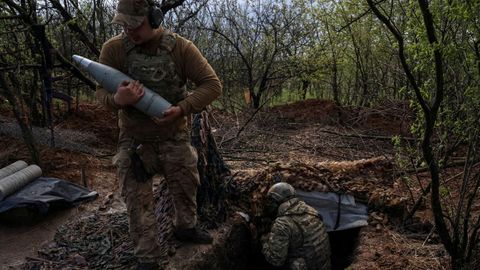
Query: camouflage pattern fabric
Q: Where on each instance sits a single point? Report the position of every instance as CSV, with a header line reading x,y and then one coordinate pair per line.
x,y
176,159
298,239
157,72
169,153
298,264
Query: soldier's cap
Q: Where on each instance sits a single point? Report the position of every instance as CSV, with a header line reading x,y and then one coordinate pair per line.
x,y
131,13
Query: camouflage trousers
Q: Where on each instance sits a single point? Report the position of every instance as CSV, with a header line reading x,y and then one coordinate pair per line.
x,y
297,264
176,159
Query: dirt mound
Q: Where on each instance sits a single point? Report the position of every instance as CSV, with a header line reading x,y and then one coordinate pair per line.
x,y
390,117
95,119
310,110
63,164
91,127
88,118
369,181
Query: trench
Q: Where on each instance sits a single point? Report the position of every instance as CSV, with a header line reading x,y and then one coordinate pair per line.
x,y
233,248
236,250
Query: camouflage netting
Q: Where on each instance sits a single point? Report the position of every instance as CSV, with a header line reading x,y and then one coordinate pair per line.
x,y
101,241
164,214
368,180
95,242
212,170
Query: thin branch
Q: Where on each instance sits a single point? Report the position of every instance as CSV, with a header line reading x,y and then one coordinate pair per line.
x,y
75,71
354,20
168,5
401,54
12,17
430,119
385,138
418,203
73,26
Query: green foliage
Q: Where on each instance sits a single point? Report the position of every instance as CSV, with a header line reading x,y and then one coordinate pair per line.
x,y
444,192
399,156
287,95
456,123
459,112
406,155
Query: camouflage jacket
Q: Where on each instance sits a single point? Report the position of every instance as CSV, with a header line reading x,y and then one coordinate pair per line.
x,y
298,239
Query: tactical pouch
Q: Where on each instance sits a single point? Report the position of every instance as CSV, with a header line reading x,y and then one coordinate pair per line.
x,y
141,175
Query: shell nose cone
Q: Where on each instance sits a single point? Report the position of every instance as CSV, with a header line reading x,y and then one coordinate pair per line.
x,y
82,61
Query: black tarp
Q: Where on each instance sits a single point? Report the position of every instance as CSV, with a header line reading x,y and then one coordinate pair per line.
x,y
42,196
339,211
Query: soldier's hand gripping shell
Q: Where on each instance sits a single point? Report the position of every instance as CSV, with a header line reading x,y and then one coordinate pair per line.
x,y
169,116
128,93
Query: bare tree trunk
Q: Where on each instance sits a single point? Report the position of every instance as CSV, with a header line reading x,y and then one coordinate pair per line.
x,y
94,23
24,15
46,72
430,113
430,119
334,82
256,100
335,87
305,86
26,132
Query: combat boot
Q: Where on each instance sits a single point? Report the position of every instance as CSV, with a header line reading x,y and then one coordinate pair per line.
x,y
147,266
194,235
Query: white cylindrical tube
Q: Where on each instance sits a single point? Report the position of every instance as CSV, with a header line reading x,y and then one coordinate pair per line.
x,y
16,181
109,78
12,168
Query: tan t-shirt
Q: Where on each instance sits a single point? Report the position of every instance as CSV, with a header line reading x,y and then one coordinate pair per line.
x,y
190,64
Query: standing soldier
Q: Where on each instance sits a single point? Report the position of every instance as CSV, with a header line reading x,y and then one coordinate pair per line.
x,y
298,239
163,61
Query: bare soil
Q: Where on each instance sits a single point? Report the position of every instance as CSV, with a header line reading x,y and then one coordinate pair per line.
x,y
307,132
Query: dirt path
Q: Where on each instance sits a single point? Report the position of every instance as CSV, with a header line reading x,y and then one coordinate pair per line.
x,y
19,242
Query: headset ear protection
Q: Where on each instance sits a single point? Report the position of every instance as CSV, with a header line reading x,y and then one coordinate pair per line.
x,y
155,17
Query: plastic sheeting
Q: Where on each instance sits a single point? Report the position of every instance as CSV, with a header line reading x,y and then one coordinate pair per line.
x,y
330,205
43,194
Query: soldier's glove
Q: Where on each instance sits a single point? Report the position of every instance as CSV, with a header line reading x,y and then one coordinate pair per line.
x,y
141,175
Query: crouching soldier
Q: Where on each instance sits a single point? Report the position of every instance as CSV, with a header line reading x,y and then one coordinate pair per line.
x,y
298,239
